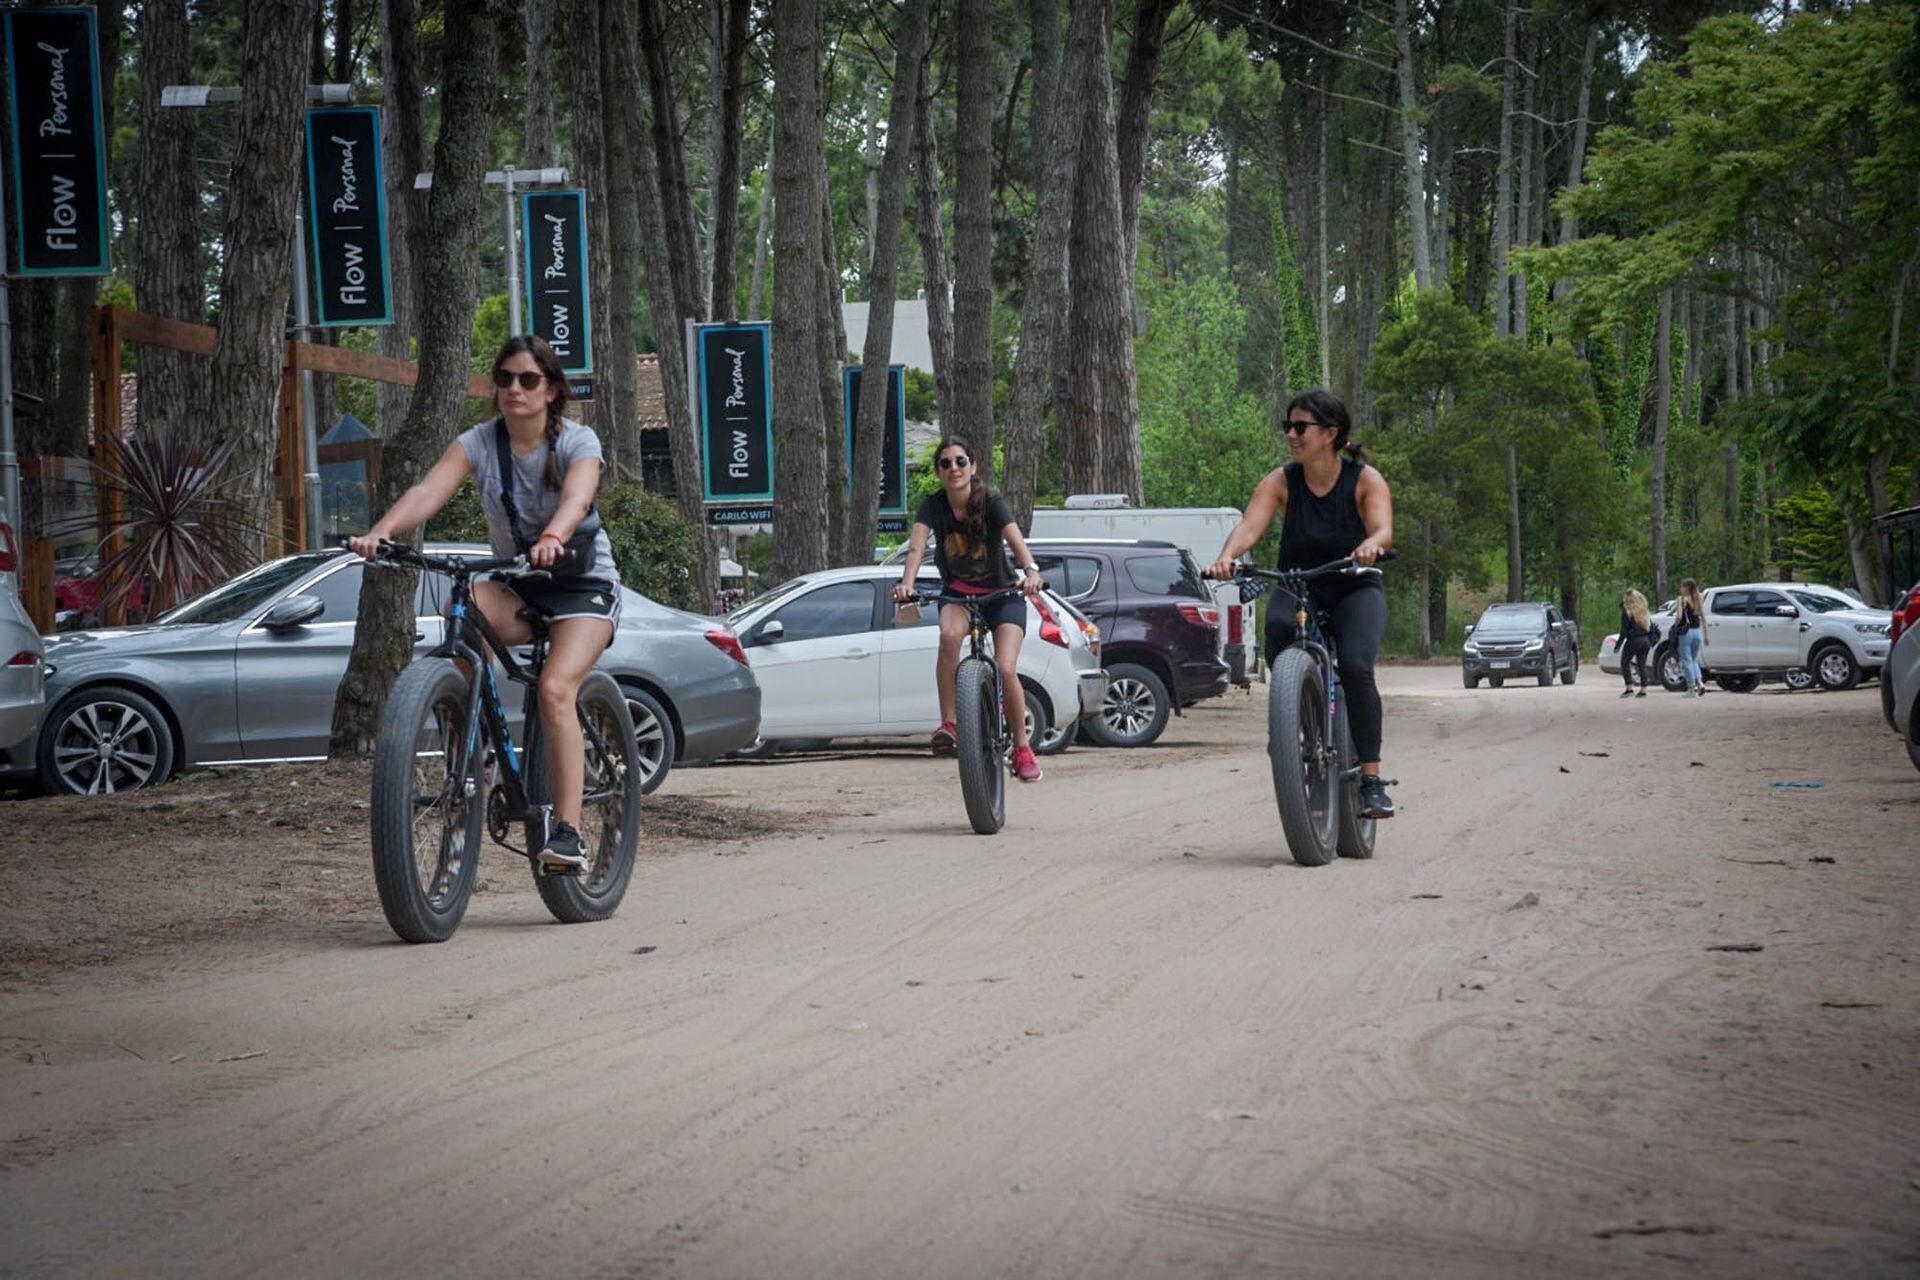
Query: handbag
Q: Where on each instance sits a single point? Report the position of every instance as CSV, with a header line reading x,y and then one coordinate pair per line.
x,y
577,554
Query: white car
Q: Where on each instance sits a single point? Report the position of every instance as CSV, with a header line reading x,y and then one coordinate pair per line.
x,y
832,662
1804,633
22,664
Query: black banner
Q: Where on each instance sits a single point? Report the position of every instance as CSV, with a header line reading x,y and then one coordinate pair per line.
x,y
734,387
553,225
347,217
893,437
59,148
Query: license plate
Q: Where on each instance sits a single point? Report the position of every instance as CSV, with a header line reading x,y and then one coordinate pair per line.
x,y
1501,666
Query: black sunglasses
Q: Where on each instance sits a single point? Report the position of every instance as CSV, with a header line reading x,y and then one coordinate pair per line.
x,y
528,381
952,464
1300,428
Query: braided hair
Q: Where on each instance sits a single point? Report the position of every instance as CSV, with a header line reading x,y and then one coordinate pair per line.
x,y
549,364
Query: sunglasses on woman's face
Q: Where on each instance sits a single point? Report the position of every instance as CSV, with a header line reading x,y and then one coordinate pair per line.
x,y
528,380
952,464
1299,428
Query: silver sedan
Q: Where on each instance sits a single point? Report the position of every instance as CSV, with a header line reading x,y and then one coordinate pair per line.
x,y
247,672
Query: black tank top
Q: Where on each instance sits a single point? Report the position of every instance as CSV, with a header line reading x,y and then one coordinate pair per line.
x,y
1317,529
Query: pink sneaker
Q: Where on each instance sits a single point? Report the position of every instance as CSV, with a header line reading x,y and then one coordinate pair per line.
x,y
1025,767
943,738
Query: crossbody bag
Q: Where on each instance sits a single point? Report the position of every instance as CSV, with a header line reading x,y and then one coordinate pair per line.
x,y
577,554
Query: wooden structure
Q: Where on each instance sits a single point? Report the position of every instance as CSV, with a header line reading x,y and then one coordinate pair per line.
x,y
114,326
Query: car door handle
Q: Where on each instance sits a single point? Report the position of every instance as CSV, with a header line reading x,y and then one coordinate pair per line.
x,y
854,655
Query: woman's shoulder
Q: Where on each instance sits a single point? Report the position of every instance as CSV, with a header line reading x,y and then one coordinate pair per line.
x,y
477,437
577,439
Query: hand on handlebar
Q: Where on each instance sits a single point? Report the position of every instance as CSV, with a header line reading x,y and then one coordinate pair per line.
x,y
367,545
545,551
1030,583
1221,570
904,594
1369,552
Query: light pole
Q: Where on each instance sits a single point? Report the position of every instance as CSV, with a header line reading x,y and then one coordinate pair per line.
x,y
510,179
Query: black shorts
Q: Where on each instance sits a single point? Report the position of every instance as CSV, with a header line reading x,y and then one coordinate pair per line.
x,y
556,599
1007,611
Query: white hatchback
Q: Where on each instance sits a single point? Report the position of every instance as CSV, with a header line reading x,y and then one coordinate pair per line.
x,y
833,661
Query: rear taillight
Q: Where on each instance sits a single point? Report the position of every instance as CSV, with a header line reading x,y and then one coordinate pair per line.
x,y
24,658
9,550
1049,627
728,643
1236,623
1907,614
1205,615
1092,633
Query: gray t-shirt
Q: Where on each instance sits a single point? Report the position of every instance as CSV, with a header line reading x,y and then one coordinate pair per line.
x,y
531,496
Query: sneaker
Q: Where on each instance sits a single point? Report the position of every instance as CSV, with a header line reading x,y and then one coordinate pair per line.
x,y
1025,767
1374,801
1626,693
563,854
1642,693
943,738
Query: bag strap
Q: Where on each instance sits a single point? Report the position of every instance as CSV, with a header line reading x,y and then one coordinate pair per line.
x,y
589,523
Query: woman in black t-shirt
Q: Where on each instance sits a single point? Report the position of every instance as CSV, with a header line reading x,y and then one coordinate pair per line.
x,y
970,527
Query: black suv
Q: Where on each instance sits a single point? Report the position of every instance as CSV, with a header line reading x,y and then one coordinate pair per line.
x,y
1520,640
1159,629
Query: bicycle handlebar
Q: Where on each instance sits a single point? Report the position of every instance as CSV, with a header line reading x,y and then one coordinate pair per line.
x,y
452,566
941,594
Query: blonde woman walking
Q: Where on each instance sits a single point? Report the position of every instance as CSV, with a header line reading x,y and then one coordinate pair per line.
x,y
1636,638
1690,634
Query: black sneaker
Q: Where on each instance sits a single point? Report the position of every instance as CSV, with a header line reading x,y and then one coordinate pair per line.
x,y
1642,693
1626,693
1374,802
564,853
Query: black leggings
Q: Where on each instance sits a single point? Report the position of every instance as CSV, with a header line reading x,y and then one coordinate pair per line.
x,y
1634,658
1359,624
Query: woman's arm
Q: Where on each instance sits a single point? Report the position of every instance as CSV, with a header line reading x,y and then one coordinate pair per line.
x,y
916,551
576,495
1030,579
1269,499
1376,512
417,505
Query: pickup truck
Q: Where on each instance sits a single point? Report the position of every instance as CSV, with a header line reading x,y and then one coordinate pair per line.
x,y
1529,639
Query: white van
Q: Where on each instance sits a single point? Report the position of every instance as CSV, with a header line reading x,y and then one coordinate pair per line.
x,y
1200,531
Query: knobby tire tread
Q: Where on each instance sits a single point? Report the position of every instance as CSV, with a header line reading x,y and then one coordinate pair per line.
x,y
407,908
1295,675
982,777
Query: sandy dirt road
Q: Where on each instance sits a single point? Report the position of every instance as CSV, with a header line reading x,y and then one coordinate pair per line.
x,y
1128,1037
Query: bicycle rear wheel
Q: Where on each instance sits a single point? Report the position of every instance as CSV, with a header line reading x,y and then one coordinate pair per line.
x,y
983,775
1356,829
1301,752
609,807
427,802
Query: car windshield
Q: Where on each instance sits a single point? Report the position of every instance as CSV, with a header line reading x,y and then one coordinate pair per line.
x,y
238,597
1511,622
1821,603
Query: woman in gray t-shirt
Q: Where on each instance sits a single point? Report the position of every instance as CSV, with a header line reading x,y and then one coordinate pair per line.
x,y
555,465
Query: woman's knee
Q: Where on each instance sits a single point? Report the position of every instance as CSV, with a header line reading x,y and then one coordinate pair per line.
x,y
557,691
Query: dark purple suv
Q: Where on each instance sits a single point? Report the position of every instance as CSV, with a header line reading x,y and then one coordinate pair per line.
x,y
1159,629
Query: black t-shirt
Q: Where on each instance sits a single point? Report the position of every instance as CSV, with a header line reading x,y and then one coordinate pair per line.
x,y
960,556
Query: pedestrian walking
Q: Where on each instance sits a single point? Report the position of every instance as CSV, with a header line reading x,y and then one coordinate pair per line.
x,y
1636,639
1690,634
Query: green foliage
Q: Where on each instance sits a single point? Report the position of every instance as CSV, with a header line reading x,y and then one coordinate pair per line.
x,y
1299,327
461,520
1810,535
920,396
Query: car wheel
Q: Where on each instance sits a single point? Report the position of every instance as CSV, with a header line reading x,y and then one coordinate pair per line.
x,y
1546,675
1673,676
1572,672
101,741
1799,678
1737,684
1835,668
653,730
1136,708
1470,680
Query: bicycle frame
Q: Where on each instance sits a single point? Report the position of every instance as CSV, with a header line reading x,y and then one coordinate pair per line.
x,y
1309,634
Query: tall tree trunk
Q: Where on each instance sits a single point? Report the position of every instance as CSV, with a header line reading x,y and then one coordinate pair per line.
x,y
723,151
1322,273
457,219
1523,193
762,237
669,153
669,322
257,269
971,416
168,277
1423,590
342,69
933,245
830,337
1577,150
800,440
910,45
1410,150
1044,21
1503,185
1136,110
1662,416
620,409
1516,578
593,171
1730,395
540,146
403,143
871,159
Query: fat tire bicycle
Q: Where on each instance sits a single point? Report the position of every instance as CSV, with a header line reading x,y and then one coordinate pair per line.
x,y
981,738
446,763
1316,780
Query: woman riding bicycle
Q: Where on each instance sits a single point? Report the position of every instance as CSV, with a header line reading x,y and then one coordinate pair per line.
x,y
555,464
1333,506
968,523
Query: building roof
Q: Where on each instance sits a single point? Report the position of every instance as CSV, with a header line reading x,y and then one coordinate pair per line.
x,y
650,394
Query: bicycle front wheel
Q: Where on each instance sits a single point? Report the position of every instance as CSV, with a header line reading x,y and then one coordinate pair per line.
x,y
983,775
609,807
427,802
1300,748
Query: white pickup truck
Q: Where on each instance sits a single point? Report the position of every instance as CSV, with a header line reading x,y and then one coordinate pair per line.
x,y
1801,633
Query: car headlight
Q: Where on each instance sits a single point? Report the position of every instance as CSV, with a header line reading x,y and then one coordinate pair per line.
x,y
1534,646
1471,649
1871,628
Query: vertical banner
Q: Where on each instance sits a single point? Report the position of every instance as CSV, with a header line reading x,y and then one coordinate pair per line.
x,y
733,390
58,142
553,225
347,217
893,437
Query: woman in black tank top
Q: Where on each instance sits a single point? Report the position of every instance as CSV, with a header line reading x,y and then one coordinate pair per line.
x,y
1332,505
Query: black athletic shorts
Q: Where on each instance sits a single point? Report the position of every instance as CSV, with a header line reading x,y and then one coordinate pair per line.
x,y
556,599
1009,611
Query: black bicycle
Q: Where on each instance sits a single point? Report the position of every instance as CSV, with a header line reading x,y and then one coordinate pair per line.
x,y
1316,779
981,738
446,761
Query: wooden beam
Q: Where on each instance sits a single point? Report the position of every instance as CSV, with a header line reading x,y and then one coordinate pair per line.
x,y
158,331
108,432
293,493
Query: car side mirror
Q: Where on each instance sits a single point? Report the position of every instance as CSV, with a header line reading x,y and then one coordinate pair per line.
x,y
769,631
292,613
1469,630
1786,611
